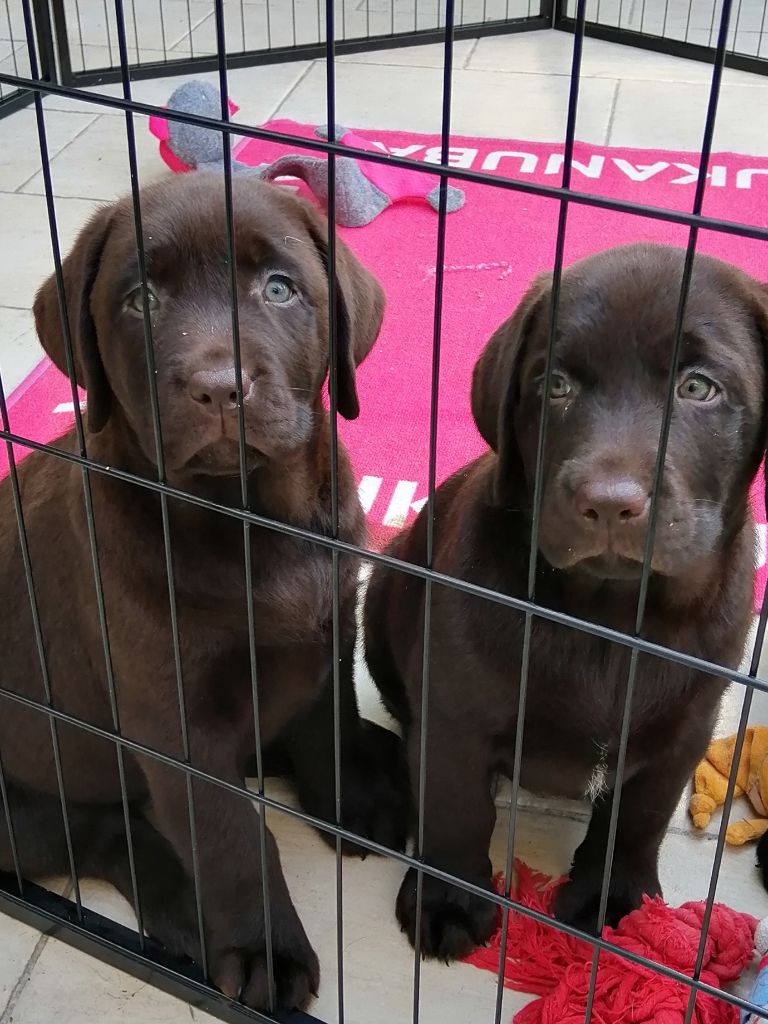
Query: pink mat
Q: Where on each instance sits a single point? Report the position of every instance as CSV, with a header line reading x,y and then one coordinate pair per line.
x,y
494,246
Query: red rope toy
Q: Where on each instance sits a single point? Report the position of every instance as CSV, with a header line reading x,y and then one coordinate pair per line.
x,y
550,964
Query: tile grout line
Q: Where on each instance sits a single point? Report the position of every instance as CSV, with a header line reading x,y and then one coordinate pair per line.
x,y
41,195
52,156
284,99
16,992
612,114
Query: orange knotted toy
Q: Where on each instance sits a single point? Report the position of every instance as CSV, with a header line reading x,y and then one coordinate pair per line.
x,y
711,781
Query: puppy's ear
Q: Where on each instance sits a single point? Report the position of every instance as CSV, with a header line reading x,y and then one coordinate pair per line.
x,y
360,306
79,271
494,375
757,293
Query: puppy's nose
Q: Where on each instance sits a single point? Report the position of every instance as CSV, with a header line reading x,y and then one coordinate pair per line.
x,y
612,500
217,389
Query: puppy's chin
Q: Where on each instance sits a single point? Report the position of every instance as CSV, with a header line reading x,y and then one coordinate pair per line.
x,y
222,458
610,565
602,565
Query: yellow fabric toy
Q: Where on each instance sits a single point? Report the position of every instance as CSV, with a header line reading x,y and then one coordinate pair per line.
x,y
710,783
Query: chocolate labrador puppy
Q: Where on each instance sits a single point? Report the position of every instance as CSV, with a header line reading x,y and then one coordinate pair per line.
x,y
282,276
612,355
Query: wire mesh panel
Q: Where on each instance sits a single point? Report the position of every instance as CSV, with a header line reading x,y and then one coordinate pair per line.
x,y
687,28
183,774
180,35
14,50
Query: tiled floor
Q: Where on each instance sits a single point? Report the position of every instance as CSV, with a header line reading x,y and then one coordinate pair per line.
x,y
512,87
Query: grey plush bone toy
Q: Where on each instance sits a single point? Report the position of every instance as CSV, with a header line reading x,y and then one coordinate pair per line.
x,y
361,195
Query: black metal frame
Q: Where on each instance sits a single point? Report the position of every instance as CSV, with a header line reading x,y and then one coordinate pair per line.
x,y
66,918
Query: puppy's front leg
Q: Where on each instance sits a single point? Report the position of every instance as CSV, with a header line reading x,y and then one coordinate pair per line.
x,y
648,801
230,871
459,816
374,787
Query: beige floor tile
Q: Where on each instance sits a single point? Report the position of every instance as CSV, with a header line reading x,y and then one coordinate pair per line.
x,y
71,987
20,350
671,115
258,91
19,357
20,149
17,944
484,102
13,323
25,258
95,165
430,56
551,53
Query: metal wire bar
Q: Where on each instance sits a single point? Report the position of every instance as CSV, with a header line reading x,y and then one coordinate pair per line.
x,y
189,24
373,847
333,365
221,50
79,33
519,604
570,135
660,213
109,34
39,642
135,29
437,324
87,493
338,548
736,26
160,459
762,27
13,40
9,823
728,802
162,30
706,150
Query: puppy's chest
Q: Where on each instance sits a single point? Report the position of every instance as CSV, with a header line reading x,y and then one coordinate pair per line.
x,y
576,702
289,591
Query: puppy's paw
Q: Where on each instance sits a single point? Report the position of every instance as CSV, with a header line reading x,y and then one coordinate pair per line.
x,y
578,902
241,971
375,798
453,921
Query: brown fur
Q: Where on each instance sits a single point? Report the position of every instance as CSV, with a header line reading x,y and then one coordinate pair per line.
x,y
616,324
285,362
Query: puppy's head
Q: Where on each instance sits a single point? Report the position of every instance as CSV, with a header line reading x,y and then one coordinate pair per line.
x,y
611,364
281,257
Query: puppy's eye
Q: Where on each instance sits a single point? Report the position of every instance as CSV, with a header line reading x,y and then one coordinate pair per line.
x,y
279,289
559,387
135,300
698,388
